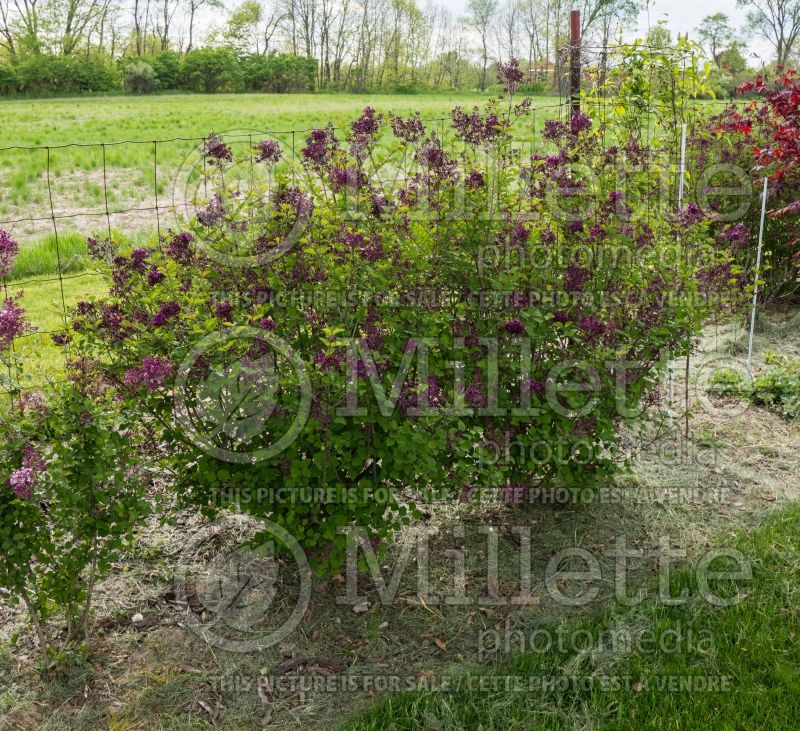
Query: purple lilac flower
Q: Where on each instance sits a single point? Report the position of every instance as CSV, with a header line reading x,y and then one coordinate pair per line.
x,y
474,128
475,395
374,250
320,146
596,232
591,327
690,215
179,247
267,323
212,213
152,373
33,401
21,482
379,204
433,157
363,130
579,122
329,363
224,309
510,76
736,236
576,278
547,237
216,149
164,313
514,327
154,276
342,177
296,199
519,234
561,316
100,249
474,180
138,259
411,130
8,252
554,130
60,338
268,151
12,322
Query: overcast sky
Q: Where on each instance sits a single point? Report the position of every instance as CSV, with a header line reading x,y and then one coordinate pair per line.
x,y
682,16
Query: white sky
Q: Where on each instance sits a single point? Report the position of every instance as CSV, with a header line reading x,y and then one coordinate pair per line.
x,y
682,16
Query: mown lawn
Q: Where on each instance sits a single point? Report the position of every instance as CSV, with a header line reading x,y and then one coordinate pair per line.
x,y
752,653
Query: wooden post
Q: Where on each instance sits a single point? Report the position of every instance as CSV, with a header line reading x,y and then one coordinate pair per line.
x,y
575,60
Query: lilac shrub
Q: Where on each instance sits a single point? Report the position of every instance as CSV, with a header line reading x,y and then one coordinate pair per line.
x,y
436,298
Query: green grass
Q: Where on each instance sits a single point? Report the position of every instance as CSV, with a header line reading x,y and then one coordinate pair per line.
x,y
133,174
754,645
44,307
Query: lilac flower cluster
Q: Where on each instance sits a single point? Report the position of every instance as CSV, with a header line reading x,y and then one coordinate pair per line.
x,y
224,310
320,147
216,150
364,130
179,247
736,236
474,179
12,322
100,249
343,177
268,151
296,199
576,278
33,401
510,76
411,130
154,276
23,480
514,327
436,161
152,374
8,252
477,129
166,311
212,213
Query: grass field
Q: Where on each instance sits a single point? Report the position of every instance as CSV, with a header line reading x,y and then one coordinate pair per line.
x,y
136,173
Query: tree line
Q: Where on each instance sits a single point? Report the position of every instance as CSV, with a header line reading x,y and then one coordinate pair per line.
x,y
398,45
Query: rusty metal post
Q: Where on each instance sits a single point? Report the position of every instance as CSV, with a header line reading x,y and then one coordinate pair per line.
x,y
575,61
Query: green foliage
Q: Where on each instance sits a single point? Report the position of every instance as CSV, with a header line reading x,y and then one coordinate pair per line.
x,y
779,386
167,65
9,82
45,75
211,70
279,73
727,382
86,495
140,77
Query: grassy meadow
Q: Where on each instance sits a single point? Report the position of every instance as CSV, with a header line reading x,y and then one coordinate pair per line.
x,y
137,173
